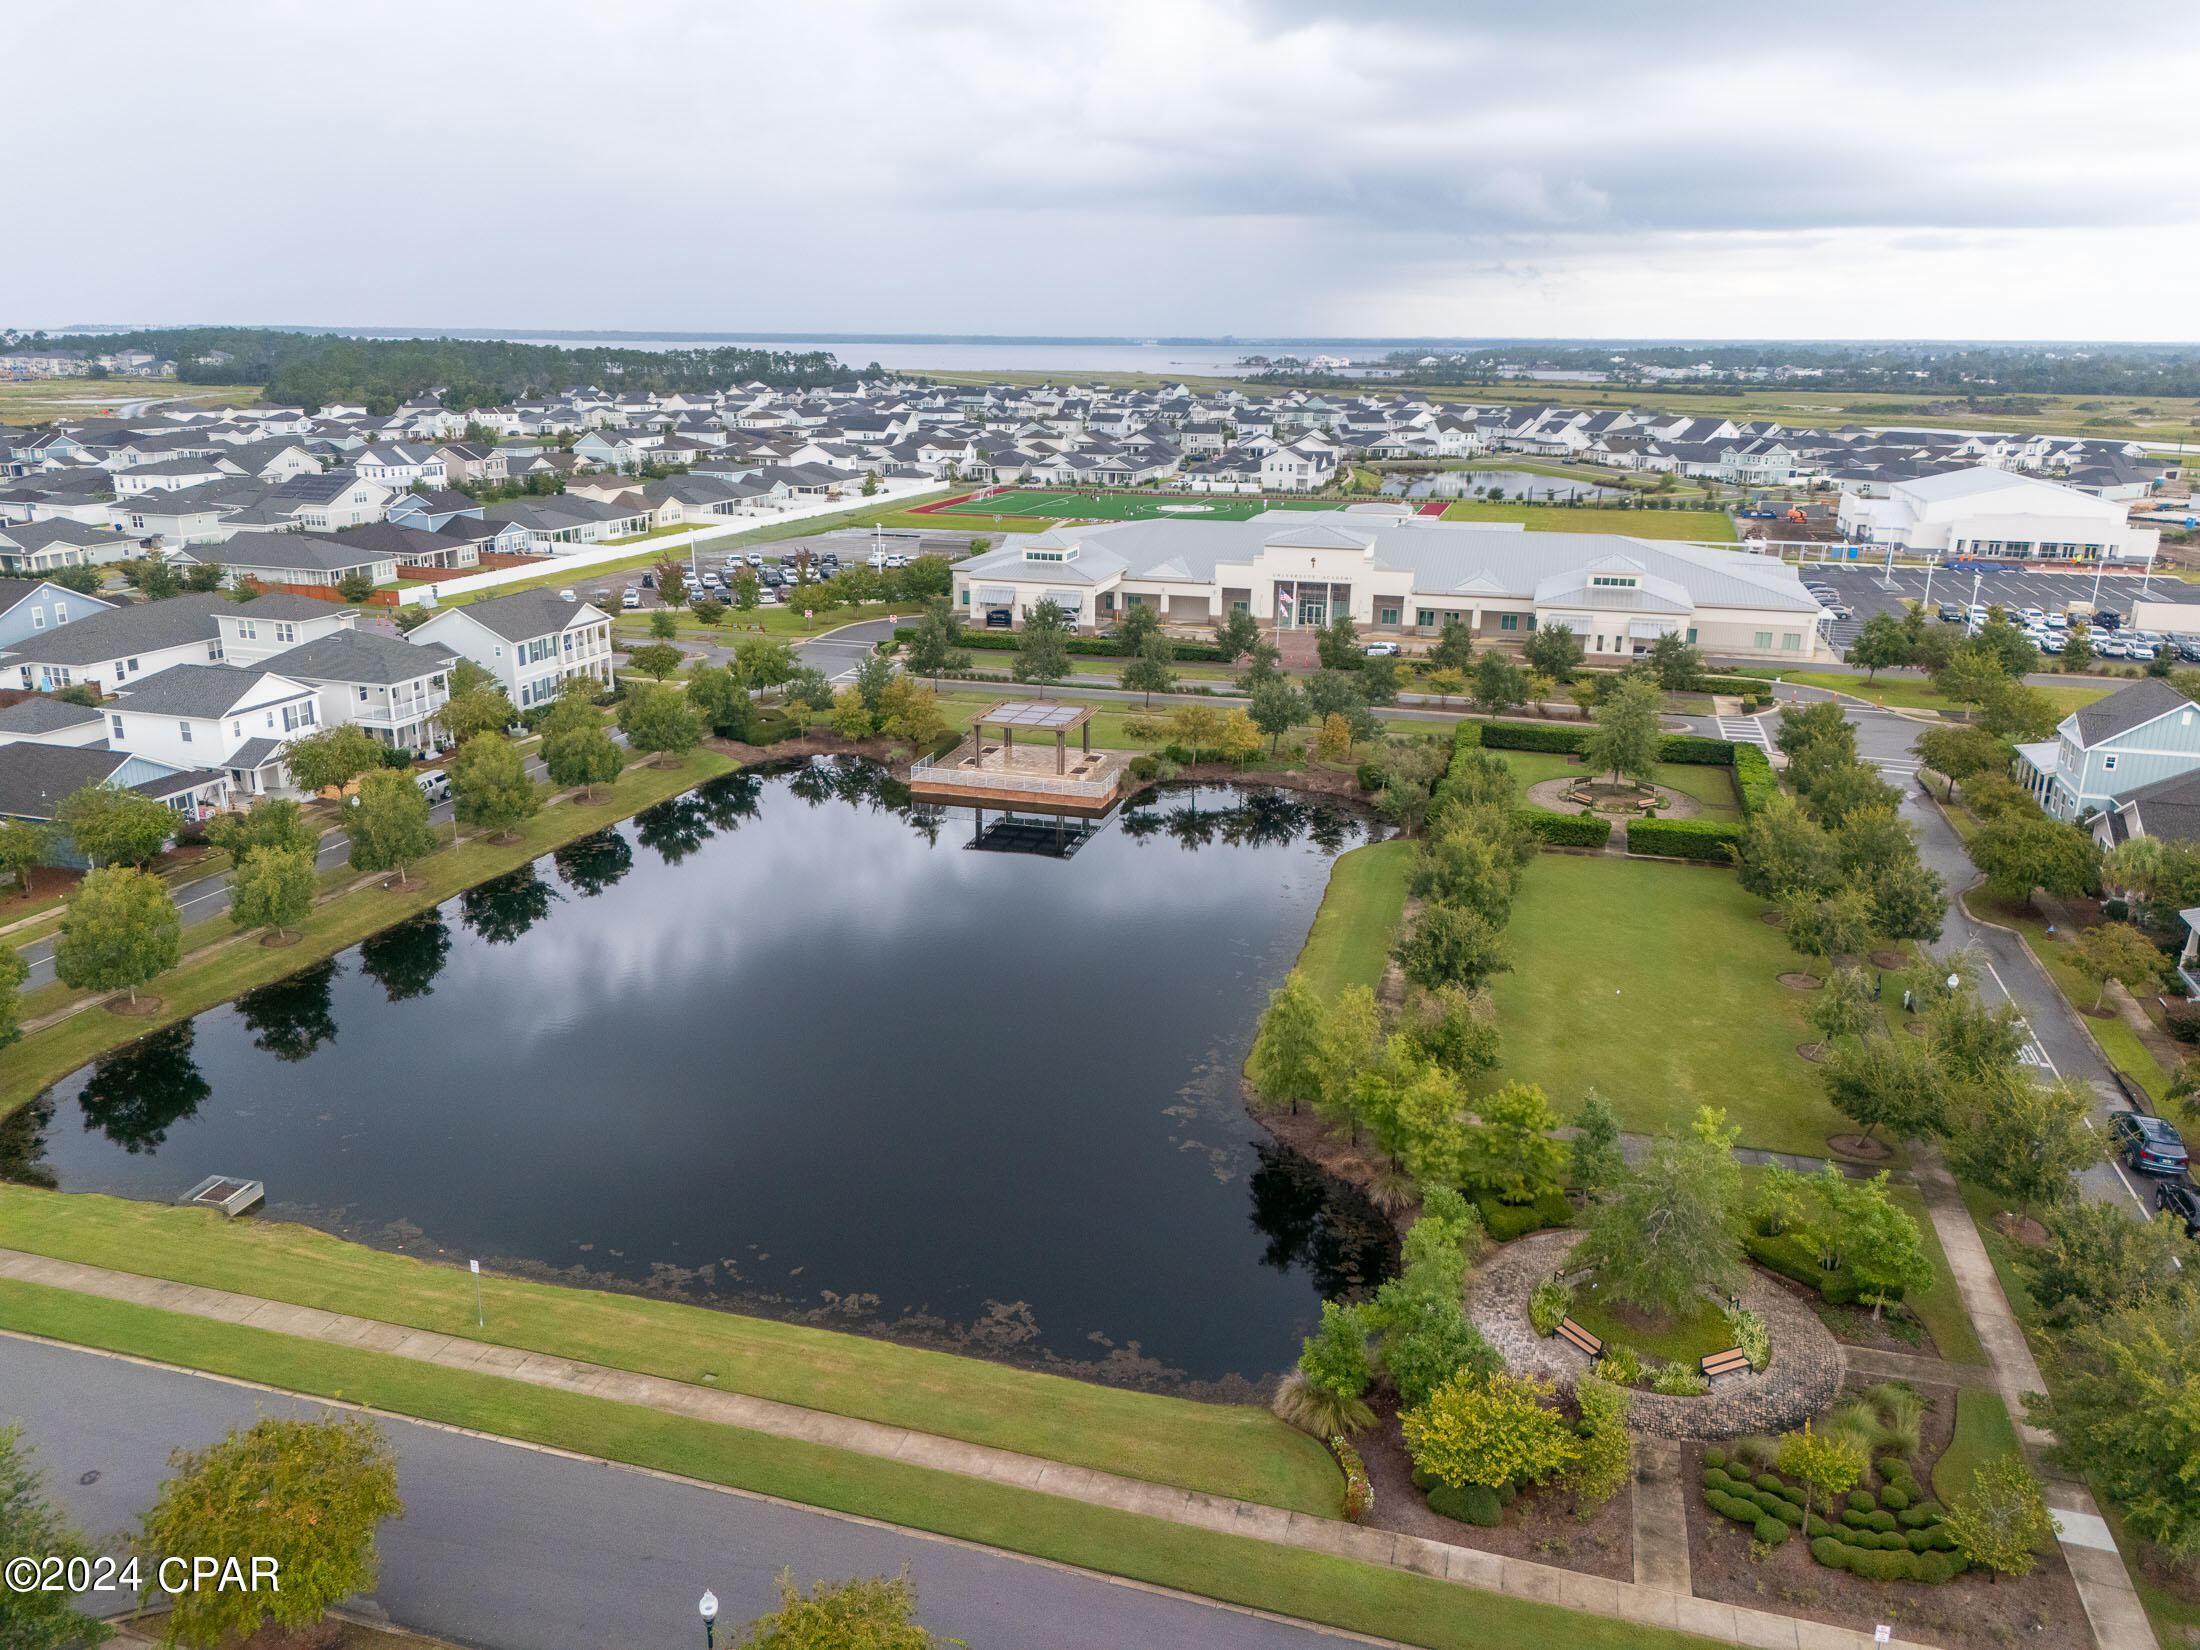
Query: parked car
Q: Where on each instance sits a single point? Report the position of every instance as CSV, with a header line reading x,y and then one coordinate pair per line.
x,y
1381,650
649,581
1950,613
2058,621
2107,618
2176,1198
2049,641
631,599
2032,615
1840,610
2188,648
999,618
2148,1145
434,784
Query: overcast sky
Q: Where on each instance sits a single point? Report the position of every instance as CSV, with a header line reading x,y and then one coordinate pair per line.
x,y
1191,167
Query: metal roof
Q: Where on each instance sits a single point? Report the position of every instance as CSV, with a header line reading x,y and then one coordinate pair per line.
x,y
1020,713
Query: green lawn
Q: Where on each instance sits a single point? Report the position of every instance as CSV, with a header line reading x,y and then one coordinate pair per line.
x,y
1640,524
1233,1450
1939,1308
1341,1593
46,1055
1352,933
1058,504
1916,693
1656,985
1983,1431
1682,1339
1709,784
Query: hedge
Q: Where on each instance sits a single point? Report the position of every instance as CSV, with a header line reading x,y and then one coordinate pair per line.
x,y
1475,1504
1506,1221
1789,1256
1706,839
1532,736
1754,781
1695,749
1567,830
1094,647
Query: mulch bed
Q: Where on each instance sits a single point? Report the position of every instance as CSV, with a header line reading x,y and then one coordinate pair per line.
x,y
1802,982
1889,959
1540,1526
1895,1331
1968,1613
1773,919
2021,1229
1815,1053
47,881
1859,1147
146,1005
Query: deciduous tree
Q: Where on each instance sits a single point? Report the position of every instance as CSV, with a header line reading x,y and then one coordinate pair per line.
x,y
1149,672
1554,650
1598,1162
490,785
114,827
1235,635
1499,684
34,1526
2098,1260
1277,707
1287,1059
24,846
1668,1229
584,755
2021,852
1510,1151
658,660
1492,1430
388,823
912,713
1880,644
119,929
2025,1140
308,1494
1626,739
1999,1519
1895,1083
1828,1463
1451,945
2116,951
1042,651
659,719
1240,737
272,888
270,823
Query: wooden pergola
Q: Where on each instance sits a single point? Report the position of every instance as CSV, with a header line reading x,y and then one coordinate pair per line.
x,y
1034,716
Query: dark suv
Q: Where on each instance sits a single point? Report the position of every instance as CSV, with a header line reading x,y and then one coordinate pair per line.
x,y
2148,1145
2179,1199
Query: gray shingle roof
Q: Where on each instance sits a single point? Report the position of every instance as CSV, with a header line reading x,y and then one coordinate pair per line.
x,y
35,778
525,615
2126,709
42,715
122,631
356,656
196,690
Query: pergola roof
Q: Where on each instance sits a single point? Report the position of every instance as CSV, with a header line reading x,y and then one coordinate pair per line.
x,y
1027,713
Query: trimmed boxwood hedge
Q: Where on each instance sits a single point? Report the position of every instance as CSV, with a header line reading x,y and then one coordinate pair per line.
x,y
1791,1257
1475,1504
1706,839
1697,751
1091,647
1506,1221
1754,781
1532,736
1567,830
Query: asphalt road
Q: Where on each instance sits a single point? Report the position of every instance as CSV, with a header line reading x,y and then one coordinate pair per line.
x,y
510,1548
209,896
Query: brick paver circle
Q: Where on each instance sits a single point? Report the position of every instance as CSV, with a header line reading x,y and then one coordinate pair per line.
x,y
1802,1379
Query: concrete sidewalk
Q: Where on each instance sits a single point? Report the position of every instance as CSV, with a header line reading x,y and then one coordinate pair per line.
x,y
1651,1605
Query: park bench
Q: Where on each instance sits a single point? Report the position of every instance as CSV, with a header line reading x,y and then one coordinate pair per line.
x,y
1572,1333
1733,1361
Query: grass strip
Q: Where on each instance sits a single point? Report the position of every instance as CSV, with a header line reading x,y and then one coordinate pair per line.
x,y
1983,1431
1237,1450
1939,1308
1316,1587
1349,943
44,1056
1715,525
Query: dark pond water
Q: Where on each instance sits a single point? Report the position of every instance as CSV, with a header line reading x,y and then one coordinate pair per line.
x,y
789,1044
1513,483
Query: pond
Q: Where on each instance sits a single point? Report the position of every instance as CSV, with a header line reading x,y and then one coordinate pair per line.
x,y
1513,484
790,1044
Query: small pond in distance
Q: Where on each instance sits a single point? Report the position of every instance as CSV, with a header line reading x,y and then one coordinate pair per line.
x,y
790,1044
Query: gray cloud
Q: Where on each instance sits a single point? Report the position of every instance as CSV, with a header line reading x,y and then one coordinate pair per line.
x,y
1137,165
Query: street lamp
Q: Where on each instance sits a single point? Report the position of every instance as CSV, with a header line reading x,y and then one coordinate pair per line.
x,y
708,1607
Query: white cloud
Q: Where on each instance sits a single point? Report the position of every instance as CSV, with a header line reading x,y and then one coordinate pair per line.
x,y
1172,166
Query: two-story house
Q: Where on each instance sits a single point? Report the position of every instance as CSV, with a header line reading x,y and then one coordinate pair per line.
x,y
397,466
254,632
2146,733
113,649
36,547
530,641
233,720
35,779
389,687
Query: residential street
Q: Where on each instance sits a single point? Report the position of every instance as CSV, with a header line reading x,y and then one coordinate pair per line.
x,y
511,1548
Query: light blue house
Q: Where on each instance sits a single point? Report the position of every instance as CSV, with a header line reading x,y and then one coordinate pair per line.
x,y
28,606
2146,733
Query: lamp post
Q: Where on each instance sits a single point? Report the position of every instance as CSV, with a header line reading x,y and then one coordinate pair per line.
x,y
708,1608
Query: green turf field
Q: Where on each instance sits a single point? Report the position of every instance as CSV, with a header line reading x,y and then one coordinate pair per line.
x,y
1063,505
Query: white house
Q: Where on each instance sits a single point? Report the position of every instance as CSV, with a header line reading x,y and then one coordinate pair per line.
x,y
40,721
115,648
1983,511
390,687
530,641
254,632
238,721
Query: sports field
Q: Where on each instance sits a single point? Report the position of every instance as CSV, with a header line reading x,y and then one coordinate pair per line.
x,y
1063,505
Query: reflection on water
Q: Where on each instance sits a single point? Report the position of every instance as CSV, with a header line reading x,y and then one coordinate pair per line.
x,y
784,1045
1511,484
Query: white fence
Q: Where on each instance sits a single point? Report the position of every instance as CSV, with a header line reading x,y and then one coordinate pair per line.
x,y
671,544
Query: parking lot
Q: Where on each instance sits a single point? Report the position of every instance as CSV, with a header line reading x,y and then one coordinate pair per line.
x,y
1869,589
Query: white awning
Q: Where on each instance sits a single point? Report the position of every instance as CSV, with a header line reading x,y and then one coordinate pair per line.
x,y
995,595
1069,601
1579,623
1652,628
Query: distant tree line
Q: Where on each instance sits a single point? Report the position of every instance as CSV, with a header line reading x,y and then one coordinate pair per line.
x,y
315,369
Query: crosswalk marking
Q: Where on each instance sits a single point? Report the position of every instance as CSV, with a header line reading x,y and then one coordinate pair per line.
x,y
1745,730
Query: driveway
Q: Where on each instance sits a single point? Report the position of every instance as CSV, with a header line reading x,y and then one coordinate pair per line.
x,y
512,1548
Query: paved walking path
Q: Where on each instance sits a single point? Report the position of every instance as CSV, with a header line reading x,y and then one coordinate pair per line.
x,y
2104,1586
1661,1517
1650,1604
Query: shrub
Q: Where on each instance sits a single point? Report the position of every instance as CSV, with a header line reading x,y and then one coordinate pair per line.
x,y
1715,1478
1606,1449
1476,1504
1359,1494
1920,1516
1894,1498
1492,1429
1506,1221
1705,839
1792,1256
1696,751
1772,1531
1549,1303
1145,767
1678,1381
1755,784
1862,1500
1369,775
1814,1527
1737,1507
1770,1483
1567,830
1756,1449
1532,736
1714,1457
1834,1555
1750,1334
1621,1365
